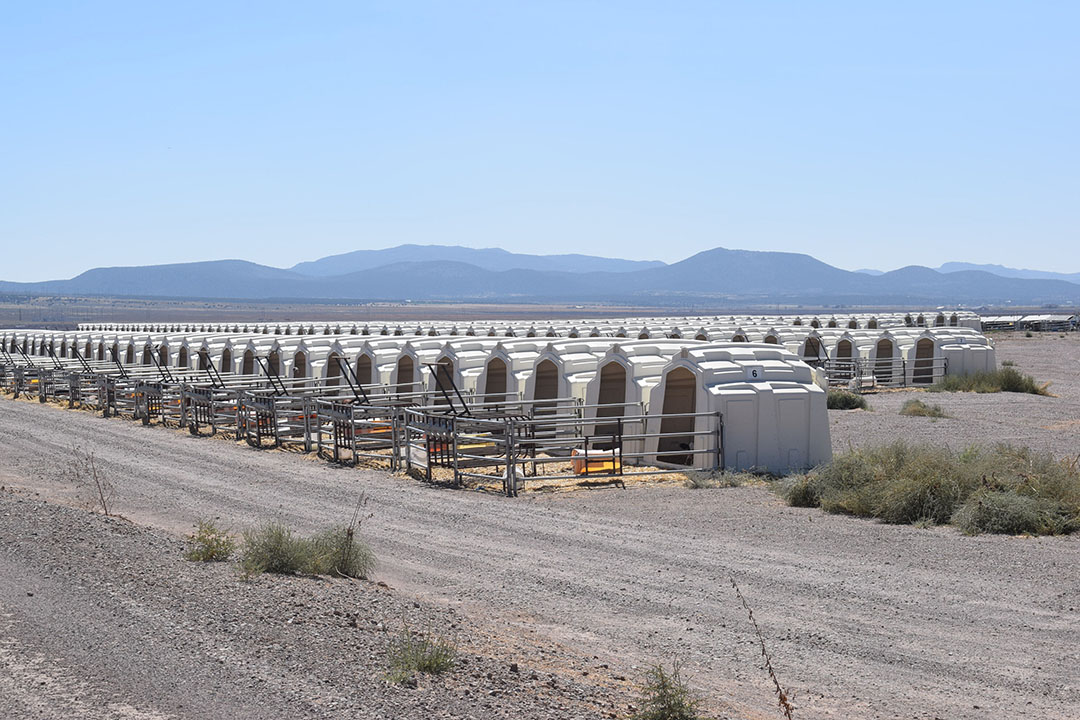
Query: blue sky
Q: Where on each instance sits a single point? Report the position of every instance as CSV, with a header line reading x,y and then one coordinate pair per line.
x,y
865,134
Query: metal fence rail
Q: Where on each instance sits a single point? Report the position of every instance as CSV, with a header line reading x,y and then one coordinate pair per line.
x,y
517,449
887,372
511,442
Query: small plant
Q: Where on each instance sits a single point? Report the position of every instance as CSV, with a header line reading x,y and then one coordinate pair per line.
x,y
917,408
782,698
83,472
209,544
339,552
411,652
665,695
1028,334
846,400
799,491
710,479
274,548
1008,363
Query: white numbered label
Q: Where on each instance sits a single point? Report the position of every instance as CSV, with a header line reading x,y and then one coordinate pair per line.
x,y
755,373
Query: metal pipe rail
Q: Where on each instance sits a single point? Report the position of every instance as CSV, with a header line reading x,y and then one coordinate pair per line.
x,y
512,441
507,449
346,432
885,372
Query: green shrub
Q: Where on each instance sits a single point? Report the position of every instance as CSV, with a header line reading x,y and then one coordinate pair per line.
x,y
917,408
1028,334
1006,379
665,696
208,543
274,548
1008,363
412,653
844,400
1001,489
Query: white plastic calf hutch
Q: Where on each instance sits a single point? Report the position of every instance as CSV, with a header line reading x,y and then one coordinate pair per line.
x,y
627,374
774,417
508,367
461,361
564,368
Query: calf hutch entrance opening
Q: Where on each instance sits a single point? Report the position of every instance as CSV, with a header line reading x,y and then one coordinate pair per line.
x,y
677,433
495,390
923,373
547,381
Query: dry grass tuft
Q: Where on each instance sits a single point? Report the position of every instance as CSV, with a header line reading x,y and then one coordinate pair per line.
x,y
1005,379
209,544
1000,489
917,408
413,652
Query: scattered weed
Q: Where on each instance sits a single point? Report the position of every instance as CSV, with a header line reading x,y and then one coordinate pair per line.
x,y
665,695
83,472
208,543
339,552
709,479
1008,363
917,408
274,548
1006,379
783,700
413,652
845,400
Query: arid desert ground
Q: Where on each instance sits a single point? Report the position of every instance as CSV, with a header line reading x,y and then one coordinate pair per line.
x,y
557,602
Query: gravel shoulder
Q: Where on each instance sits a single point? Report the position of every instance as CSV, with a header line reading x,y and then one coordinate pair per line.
x,y
863,620
101,618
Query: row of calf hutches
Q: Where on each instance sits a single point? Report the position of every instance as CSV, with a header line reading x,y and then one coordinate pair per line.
x,y
763,375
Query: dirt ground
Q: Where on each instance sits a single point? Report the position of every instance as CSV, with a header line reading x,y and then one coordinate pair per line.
x,y
863,620
1051,424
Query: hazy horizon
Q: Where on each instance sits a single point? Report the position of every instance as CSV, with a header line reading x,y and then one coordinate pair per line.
x,y
289,267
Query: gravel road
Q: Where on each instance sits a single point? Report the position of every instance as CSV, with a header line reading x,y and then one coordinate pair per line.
x,y
863,620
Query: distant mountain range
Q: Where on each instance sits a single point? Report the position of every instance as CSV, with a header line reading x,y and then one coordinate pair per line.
x,y
999,270
951,267
495,259
441,273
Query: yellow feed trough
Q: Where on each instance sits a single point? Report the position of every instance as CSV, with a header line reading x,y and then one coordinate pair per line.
x,y
599,461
